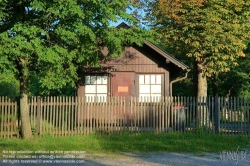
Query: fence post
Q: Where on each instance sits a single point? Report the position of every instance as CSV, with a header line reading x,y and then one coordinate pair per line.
x,y
38,115
217,115
127,112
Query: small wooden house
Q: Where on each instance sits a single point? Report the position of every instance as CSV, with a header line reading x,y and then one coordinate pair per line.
x,y
146,72
139,71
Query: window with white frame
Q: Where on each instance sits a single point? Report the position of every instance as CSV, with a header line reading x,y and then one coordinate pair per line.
x,y
150,86
96,86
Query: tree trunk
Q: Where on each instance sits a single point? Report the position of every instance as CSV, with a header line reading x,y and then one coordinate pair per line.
x,y
24,105
202,83
25,120
202,111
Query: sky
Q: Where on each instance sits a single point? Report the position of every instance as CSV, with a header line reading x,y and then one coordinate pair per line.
x,y
120,21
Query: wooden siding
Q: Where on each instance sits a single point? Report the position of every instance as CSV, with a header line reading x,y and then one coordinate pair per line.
x,y
138,60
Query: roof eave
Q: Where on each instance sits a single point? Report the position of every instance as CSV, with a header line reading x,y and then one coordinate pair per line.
x,y
166,55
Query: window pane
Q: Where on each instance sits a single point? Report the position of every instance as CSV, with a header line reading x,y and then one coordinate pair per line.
x,y
104,80
156,97
155,88
144,97
99,80
87,79
101,88
90,88
147,79
158,79
141,79
93,80
152,79
102,97
144,89
90,97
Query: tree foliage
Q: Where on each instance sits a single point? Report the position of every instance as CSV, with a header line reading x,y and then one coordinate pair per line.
x,y
50,40
212,32
236,82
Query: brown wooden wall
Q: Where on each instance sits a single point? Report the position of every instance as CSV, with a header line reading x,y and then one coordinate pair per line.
x,y
140,60
134,60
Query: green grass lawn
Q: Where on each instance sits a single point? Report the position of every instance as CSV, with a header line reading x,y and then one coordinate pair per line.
x,y
171,142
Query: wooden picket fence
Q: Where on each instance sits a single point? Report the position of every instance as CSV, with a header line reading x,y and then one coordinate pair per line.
x,y
8,118
62,116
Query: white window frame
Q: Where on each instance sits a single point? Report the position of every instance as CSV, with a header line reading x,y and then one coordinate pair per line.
x,y
96,87
150,87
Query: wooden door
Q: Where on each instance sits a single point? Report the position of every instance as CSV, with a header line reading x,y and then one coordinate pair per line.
x,y
123,84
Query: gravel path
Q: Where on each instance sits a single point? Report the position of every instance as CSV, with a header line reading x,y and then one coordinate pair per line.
x,y
151,159
175,159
